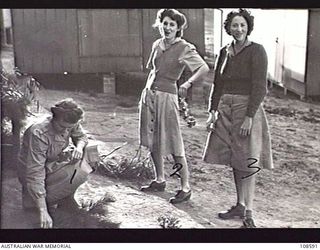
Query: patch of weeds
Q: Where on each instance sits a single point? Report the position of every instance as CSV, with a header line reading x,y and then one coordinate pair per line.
x,y
168,221
91,204
123,167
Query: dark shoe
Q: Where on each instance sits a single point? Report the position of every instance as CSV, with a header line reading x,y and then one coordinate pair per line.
x,y
233,213
180,197
154,186
248,223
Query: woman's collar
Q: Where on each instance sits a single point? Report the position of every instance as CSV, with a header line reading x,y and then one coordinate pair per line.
x,y
230,47
162,42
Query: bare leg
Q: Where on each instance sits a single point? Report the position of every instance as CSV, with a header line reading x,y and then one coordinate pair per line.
x,y
158,166
239,186
248,190
248,184
184,172
242,197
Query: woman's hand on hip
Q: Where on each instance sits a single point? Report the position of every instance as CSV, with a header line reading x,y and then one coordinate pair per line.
x,y
246,126
183,89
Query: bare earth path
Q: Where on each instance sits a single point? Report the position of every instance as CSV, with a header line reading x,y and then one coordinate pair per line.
x,y
288,196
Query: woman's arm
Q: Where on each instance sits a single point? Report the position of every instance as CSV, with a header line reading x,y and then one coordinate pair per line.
x,y
80,140
216,88
196,64
259,80
153,49
36,174
199,73
258,90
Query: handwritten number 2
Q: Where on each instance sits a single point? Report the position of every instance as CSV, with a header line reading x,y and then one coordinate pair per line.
x,y
178,167
250,166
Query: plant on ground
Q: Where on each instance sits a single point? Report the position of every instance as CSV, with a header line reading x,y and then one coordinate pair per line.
x,y
168,221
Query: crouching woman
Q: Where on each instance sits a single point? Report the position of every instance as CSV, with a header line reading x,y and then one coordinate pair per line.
x,y
51,168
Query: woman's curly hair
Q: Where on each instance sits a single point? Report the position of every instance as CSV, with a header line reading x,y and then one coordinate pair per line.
x,y
241,12
174,15
67,110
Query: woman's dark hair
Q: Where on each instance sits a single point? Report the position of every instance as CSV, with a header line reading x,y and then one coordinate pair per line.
x,y
174,15
67,110
241,12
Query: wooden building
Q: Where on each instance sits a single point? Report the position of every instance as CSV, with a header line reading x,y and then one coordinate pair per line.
x,y
90,40
98,41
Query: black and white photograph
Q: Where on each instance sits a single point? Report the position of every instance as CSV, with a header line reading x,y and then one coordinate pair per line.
x,y
155,118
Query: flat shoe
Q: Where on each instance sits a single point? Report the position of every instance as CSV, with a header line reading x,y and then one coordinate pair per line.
x,y
234,212
154,186
180,197
248,223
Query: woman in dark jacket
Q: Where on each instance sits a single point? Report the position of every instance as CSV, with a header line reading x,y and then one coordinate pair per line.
x,y
239,135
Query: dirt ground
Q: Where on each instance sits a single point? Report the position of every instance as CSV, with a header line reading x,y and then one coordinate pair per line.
x,y
286,197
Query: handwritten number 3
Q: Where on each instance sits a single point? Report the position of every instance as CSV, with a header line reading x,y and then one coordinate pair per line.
x,y
178,167
250,166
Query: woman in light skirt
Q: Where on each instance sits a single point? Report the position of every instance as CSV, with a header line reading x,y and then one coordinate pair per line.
x,y
159,113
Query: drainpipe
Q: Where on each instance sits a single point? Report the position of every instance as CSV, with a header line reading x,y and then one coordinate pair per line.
x,y
221,30
306,68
